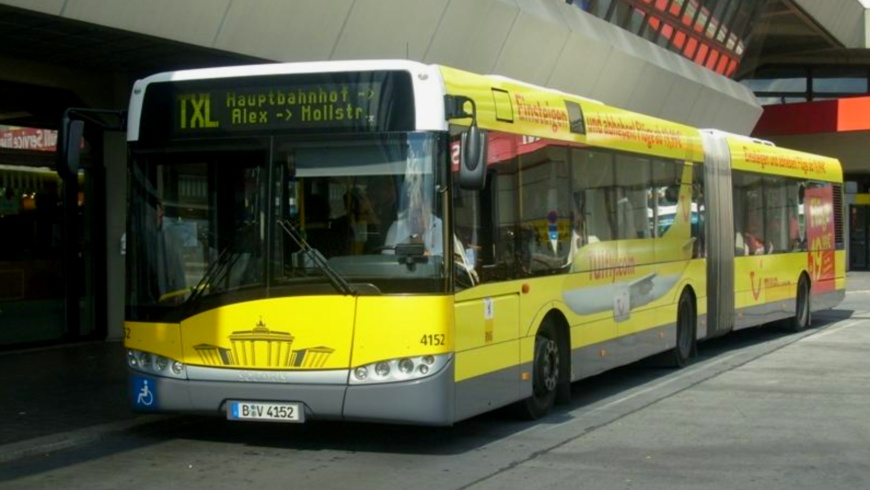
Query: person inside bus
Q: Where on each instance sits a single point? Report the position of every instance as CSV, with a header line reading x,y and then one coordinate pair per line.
x,y
417,224
355,226
754,244
754,237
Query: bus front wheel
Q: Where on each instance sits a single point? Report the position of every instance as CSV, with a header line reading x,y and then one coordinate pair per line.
x,y
545,373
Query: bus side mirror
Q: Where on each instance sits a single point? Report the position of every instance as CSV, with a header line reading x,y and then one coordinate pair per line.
x,y
69,146
472,147
472,159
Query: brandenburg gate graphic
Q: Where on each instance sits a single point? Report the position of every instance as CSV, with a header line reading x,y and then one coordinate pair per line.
x,y
263,348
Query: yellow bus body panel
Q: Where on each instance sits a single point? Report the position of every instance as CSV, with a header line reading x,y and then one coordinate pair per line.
x,y
157,338
303,333
760,158
840,257
515,107
392,327
308,332
760,279
488,323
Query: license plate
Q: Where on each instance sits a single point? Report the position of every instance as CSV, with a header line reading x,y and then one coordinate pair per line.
x,y
265,411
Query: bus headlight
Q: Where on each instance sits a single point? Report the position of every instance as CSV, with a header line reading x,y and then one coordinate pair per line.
x,y
406,366
154,364
382,369
160,363
401,369
177,368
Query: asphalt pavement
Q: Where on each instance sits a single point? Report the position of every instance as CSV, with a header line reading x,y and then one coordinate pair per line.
x,y
60,397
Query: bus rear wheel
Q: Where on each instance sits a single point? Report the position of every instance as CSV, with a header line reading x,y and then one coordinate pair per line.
x,y
545,374
802,317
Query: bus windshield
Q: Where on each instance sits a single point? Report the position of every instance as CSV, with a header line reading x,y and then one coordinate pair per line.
x,y
283,216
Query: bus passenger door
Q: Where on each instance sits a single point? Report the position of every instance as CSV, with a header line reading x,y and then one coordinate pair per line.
x,y
487,349
487,304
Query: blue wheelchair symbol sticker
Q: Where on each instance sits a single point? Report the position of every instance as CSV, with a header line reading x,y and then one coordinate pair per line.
x,y
144,393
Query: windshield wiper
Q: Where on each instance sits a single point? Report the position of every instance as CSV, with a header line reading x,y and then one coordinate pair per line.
x,y
217,270
339,282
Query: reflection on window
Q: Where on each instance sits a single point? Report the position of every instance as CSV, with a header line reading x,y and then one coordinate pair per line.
x,y
781,85
769,216
547,205
352,206
840,85
194,229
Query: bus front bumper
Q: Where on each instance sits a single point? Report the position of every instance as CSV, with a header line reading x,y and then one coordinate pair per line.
x,y
427,401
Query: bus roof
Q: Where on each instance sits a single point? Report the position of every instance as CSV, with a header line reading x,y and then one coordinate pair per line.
x,y
241,71
516,107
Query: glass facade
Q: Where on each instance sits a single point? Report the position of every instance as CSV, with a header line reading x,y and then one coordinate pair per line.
x,y
711,33
781,84
46,273
31,281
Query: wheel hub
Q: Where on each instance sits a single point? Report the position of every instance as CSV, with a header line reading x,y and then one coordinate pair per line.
x,y
549,365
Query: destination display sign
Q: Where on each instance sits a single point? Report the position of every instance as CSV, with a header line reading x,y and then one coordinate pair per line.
x,y
343,102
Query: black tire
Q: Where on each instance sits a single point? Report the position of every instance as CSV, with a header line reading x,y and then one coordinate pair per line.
x,y
684,347
546,372
802,316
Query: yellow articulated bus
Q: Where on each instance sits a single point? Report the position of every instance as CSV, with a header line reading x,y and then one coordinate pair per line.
x,y
398,242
